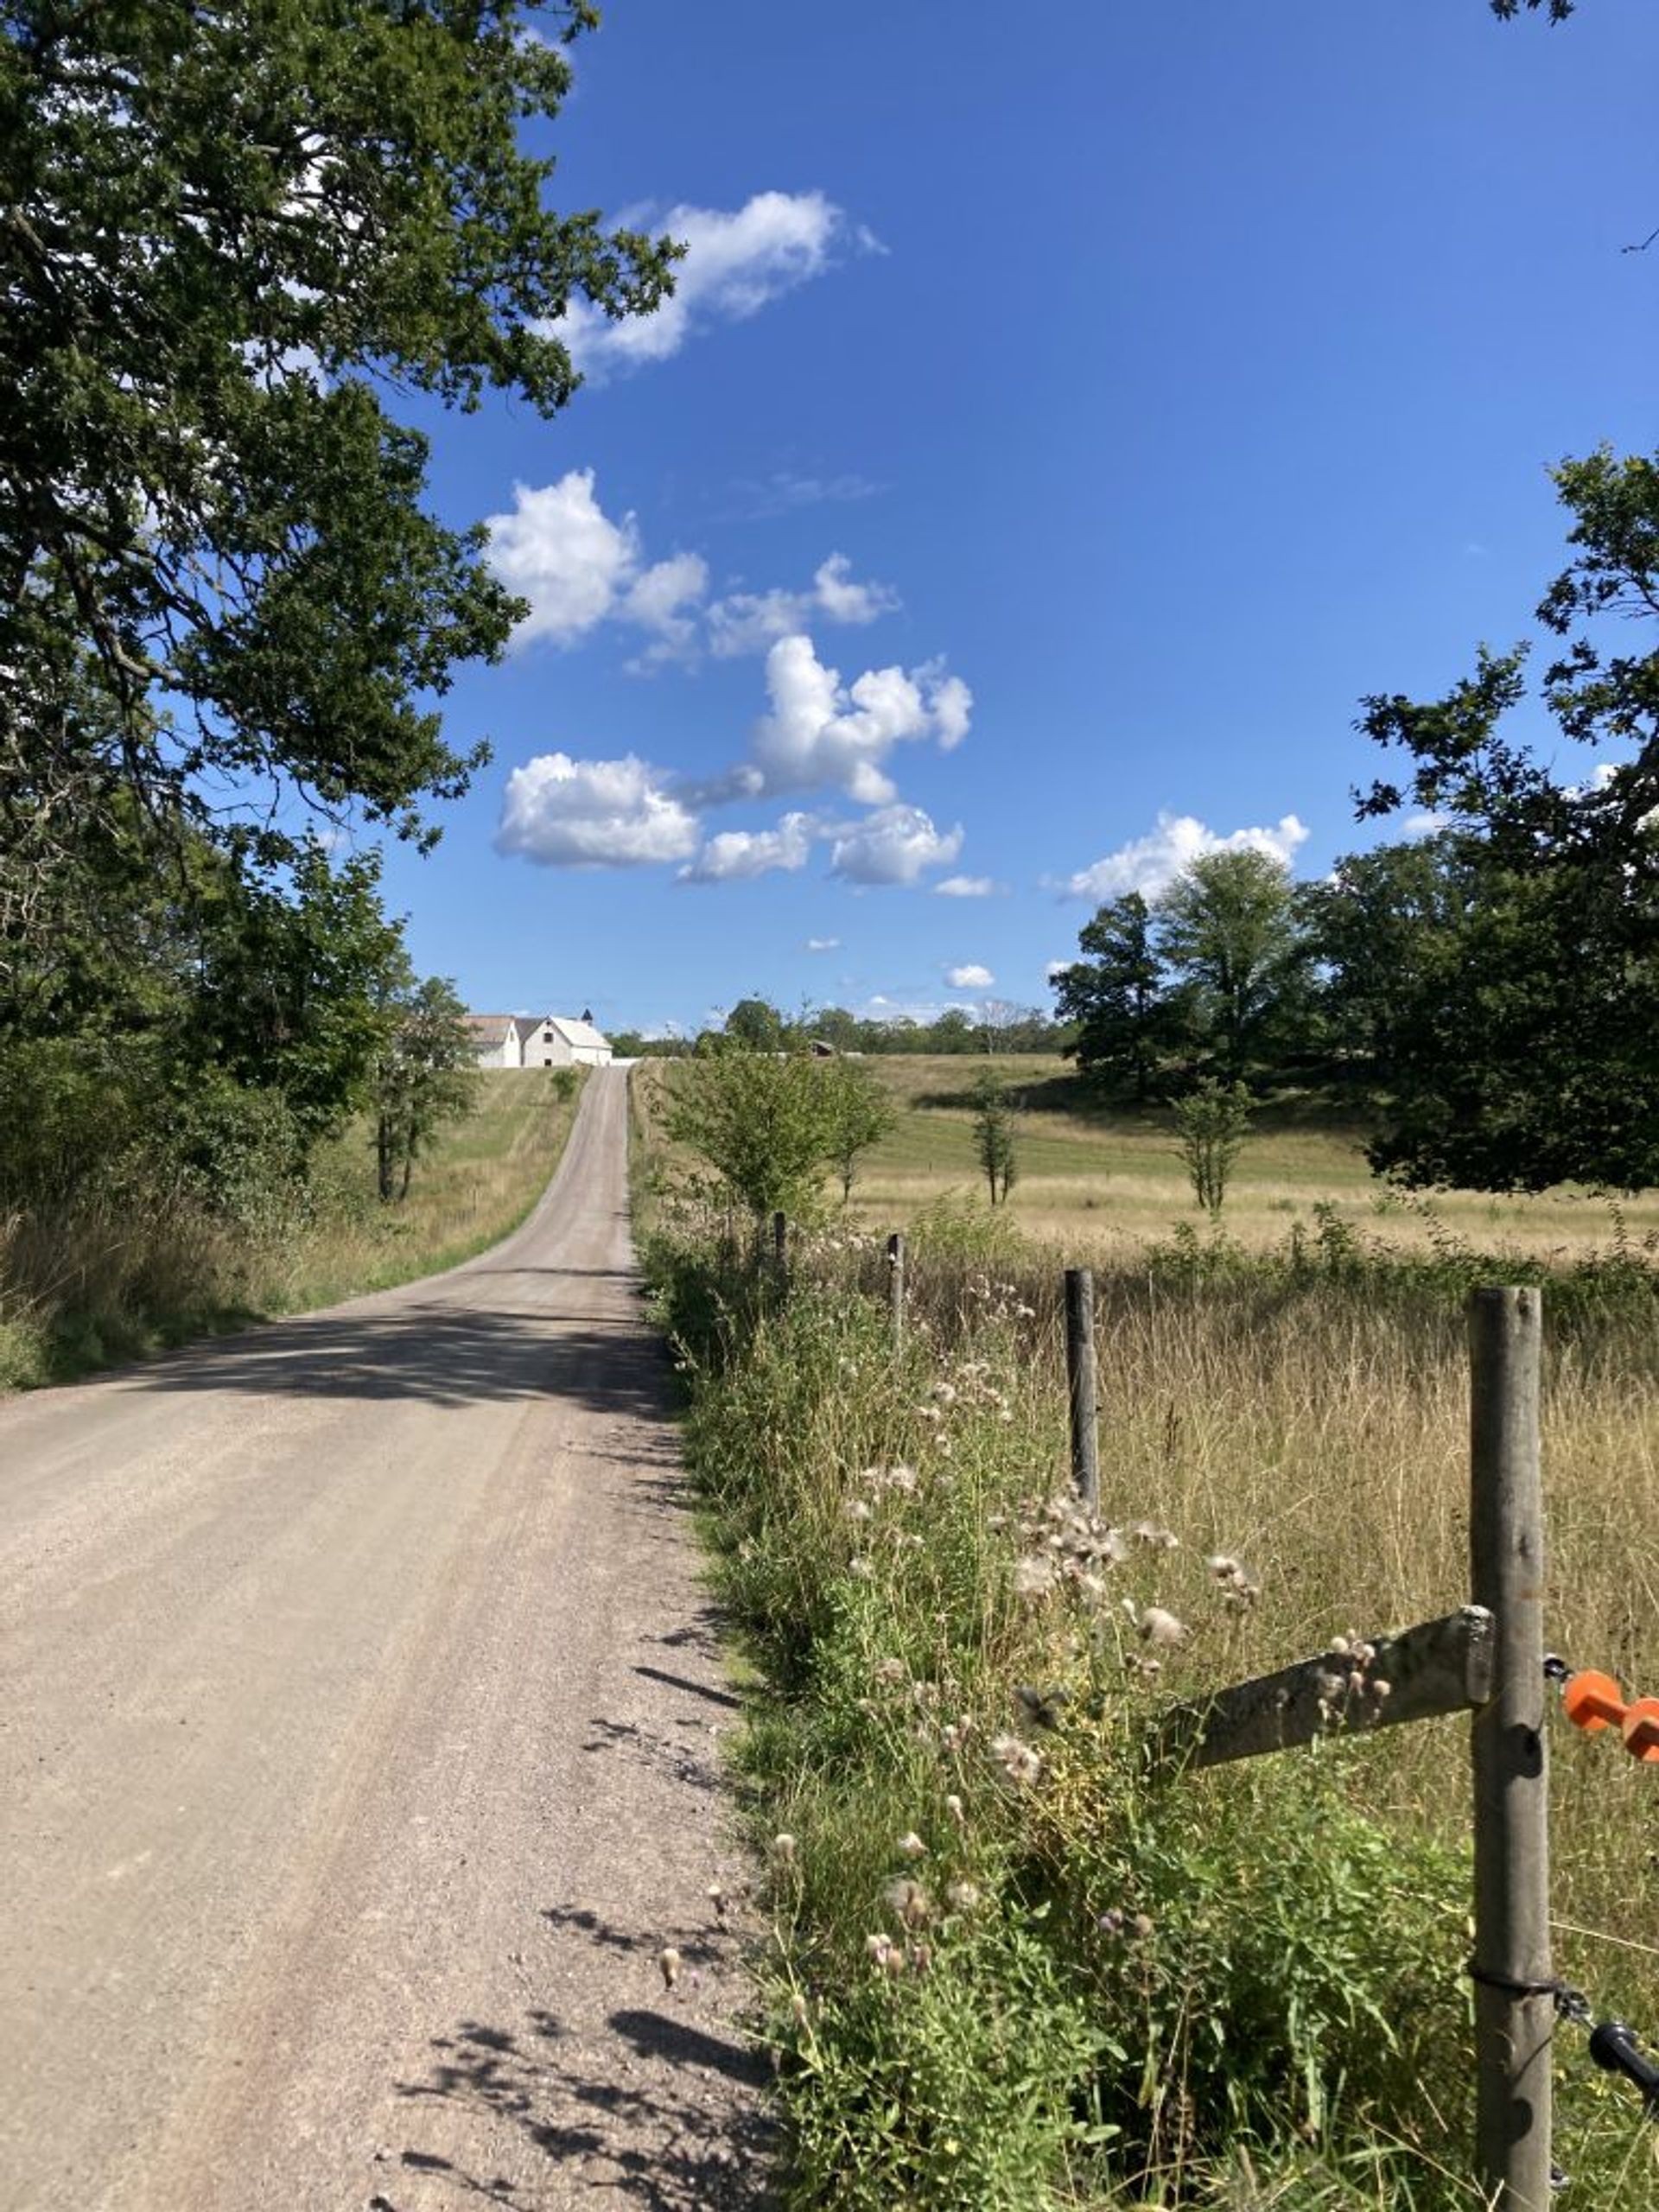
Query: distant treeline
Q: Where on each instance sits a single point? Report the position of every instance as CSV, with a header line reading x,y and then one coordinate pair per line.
x,y
995,1027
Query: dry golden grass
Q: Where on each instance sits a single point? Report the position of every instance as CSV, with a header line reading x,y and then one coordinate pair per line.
x,y
1105,1185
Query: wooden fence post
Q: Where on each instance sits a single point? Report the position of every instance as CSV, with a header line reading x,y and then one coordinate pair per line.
x,y
896,1287
1080,1376
1515,2015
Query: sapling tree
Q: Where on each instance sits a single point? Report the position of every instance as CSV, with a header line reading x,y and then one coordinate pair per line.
x,y
858,1113
1212,1121
994,1134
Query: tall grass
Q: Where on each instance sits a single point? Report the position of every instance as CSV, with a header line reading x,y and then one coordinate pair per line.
x,y
1011,1966
98,1279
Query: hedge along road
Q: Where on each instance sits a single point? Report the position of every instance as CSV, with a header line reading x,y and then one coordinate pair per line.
x,y
358,1706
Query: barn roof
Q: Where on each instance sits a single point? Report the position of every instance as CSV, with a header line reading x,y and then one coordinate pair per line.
x,y
579,1033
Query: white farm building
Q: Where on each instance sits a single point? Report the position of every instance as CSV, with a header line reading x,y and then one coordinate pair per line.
x,y
542,1040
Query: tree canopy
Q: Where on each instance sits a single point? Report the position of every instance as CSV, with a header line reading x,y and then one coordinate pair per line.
x,y
229,238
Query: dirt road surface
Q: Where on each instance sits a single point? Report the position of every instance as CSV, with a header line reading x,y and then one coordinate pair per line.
x,y
357,1718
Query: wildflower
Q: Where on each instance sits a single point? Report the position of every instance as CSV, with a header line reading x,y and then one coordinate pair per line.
x,y
1159,1627
945,1393
910,1900
912,1847
1149,1533
860,1568
1110,1922
798,2006
1019,1764
669,1959
718,1899
1142,1925
783,1849
921,1957
858,1508
890,1670
1034,1576
903,1479
953,1806
877,1948
963,1897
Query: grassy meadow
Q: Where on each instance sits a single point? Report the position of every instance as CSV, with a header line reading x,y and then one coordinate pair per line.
x,y
99,1282
1009,1967
1110,1180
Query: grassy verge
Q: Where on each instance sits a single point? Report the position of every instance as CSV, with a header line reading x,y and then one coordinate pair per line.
x,y
1010,1967
98,1283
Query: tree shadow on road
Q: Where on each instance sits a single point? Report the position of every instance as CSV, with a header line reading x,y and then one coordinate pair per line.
x,y
648,2115
433,1353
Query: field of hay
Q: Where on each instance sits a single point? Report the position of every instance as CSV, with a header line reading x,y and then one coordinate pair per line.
x,y
1103,1183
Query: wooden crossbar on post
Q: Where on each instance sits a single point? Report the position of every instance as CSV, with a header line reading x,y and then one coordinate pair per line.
x,y
1442,1667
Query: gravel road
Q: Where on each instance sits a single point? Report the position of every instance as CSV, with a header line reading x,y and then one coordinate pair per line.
x,y
358,1715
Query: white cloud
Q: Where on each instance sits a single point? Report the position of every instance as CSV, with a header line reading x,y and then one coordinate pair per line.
x,y
748,622
736,262
965,886
817,733
562,553
736,853
969,978
1058,968
659,599
566,813
1150,864
893,845
824,945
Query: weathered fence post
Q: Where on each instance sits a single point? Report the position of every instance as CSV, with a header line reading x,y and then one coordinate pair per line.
x,y
1080,1375
1515,2014
896,1286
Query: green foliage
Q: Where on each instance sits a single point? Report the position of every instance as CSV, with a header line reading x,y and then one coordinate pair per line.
x,y
1116,1000
1212,1120
424,1079
1227,929
858,1113
994,1120
1524,1010
220,582
759,1119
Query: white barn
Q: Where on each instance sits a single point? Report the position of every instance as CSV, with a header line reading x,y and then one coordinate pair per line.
x,y
542,1040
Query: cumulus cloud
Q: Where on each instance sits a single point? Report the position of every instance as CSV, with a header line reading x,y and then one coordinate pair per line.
x,y
749,622
561,552
824,945
566,813
736,262
965,886
735,854
577,567
972,977
818,735
1150,864
895,844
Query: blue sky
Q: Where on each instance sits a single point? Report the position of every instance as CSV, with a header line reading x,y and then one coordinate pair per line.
x,y
1065,418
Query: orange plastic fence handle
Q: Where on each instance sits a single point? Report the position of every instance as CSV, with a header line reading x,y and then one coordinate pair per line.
x,y
1592,1701
1640,1729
